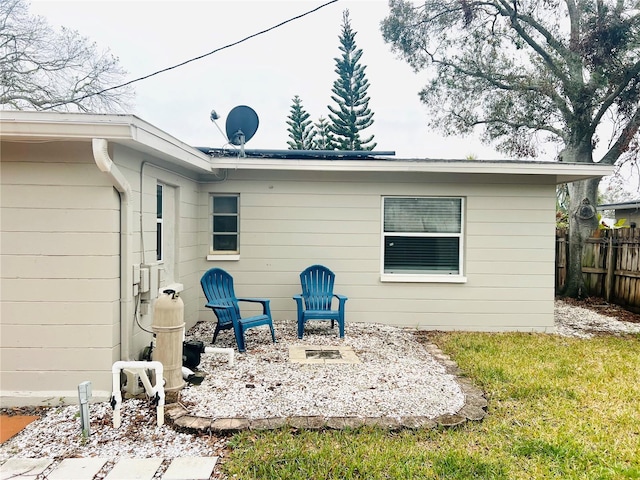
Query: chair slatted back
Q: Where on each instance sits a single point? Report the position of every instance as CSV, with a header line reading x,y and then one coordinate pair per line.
x,y
317,287
217,285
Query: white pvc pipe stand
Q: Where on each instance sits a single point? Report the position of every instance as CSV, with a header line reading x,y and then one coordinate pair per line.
x,y
141,368
224,351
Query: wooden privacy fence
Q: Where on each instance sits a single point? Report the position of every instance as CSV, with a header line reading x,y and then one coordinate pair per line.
x,y
610,265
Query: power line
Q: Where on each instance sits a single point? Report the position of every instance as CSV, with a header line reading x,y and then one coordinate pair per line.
x,y
192,59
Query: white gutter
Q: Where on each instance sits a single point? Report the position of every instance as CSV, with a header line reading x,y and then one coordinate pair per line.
x,y
106,165
409,165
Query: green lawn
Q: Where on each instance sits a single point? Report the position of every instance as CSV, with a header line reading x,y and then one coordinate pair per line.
x,y
558,408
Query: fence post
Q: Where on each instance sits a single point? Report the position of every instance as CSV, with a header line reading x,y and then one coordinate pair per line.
x,y
611,266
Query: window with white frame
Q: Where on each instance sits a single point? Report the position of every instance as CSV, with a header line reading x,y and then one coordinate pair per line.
x,y
159,225
422,236
225,224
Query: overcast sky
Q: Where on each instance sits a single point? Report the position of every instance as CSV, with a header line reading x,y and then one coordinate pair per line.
x,y
264,72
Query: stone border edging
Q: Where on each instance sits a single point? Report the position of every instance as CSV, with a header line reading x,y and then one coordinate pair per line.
x,y
474,409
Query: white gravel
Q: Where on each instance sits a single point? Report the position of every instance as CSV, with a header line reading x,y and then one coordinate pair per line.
x,y
396,377
57,435
572,321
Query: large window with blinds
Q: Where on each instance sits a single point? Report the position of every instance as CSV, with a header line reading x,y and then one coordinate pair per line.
x,y
423,236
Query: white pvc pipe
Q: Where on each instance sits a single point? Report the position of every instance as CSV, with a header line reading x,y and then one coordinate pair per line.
x,y
225,351
141,368
106,165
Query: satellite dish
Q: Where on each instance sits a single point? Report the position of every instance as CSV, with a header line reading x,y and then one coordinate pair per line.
x,y
242,124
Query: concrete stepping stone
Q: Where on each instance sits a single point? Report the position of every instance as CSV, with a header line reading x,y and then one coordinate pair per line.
x,y
134,469
23,467
77,469
190,468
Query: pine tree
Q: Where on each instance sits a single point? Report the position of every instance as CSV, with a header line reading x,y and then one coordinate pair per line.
x,y
300,128
323,139
351,114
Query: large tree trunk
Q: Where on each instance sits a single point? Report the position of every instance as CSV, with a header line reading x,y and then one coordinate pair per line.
x,y
583,221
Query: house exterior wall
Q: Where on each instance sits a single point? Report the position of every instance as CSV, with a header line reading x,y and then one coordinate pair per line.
x,y
144,173
60,265
631,215
59,271
292,220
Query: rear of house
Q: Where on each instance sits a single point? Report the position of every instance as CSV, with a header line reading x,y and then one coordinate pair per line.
x,y
485,261
100,212
627,211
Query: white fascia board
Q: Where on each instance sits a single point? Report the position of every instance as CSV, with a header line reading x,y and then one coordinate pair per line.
x,y
632,205
127,130
165,144
39,126
563,172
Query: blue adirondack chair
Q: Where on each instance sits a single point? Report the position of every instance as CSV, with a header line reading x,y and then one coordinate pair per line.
x,y
217,285
315,302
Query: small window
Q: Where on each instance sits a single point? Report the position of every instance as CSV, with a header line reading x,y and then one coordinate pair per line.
x,y
422,236
225,224
159,230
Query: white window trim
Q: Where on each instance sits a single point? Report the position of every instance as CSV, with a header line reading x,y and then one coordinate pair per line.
x,y
406,278
222,257
160,222
427,277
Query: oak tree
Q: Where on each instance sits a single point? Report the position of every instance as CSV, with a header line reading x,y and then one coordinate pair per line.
x,y
528,72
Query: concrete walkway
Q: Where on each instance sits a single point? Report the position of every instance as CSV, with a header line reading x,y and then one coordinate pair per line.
x,y
184,468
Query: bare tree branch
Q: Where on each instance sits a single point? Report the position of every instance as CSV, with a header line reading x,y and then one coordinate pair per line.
x,y
45,69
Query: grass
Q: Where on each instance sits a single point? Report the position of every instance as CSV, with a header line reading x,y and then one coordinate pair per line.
x,y
558,408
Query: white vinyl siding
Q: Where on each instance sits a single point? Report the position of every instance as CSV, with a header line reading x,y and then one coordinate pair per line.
x,y
61,221
290,220
60,272
60,284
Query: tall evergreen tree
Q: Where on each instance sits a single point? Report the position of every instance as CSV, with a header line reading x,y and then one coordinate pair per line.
x,y
351,113
300,128
323,139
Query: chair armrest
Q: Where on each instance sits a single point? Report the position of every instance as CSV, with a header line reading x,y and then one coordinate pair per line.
x,y
298,299
254,300
217,306
264,301
341,300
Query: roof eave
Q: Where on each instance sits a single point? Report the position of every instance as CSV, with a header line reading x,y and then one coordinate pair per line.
x,y
127,130
563,172
632,205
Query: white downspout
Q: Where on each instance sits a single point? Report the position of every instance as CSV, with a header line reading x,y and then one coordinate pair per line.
x,y
106,165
